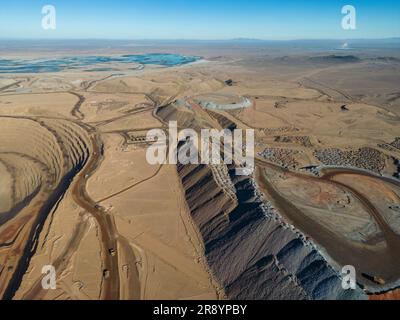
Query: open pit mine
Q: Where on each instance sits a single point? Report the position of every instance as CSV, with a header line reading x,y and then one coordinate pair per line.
x,y
78,194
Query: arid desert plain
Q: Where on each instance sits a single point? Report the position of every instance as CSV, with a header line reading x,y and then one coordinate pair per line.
x,y
78,193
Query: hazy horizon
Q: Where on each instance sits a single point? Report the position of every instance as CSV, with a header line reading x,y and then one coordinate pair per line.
x,y
206,20
200,40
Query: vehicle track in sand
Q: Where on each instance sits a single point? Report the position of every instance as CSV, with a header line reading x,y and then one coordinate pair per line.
x,y
10,85
131,186
384,263
61,263
109,235
111,241
80,196
76,112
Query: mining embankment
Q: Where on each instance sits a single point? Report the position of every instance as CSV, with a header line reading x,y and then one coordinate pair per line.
x,y
250,250
43,156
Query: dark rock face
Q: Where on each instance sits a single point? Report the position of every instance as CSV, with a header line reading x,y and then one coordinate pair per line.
x,y
252,253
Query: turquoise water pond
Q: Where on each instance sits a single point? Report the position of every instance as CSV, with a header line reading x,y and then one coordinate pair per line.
x,y
56,65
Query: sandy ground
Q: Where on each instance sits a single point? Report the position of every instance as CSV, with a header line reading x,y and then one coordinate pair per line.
x,y
116,227
5,189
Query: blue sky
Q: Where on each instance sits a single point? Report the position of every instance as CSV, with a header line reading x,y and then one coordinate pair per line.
x,y
205,19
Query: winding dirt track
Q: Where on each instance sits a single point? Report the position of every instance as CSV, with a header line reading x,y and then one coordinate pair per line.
x,y
110,238
108,234
76,112
80,196
392,238
111,284
61,263
113,246
131,186
384,263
